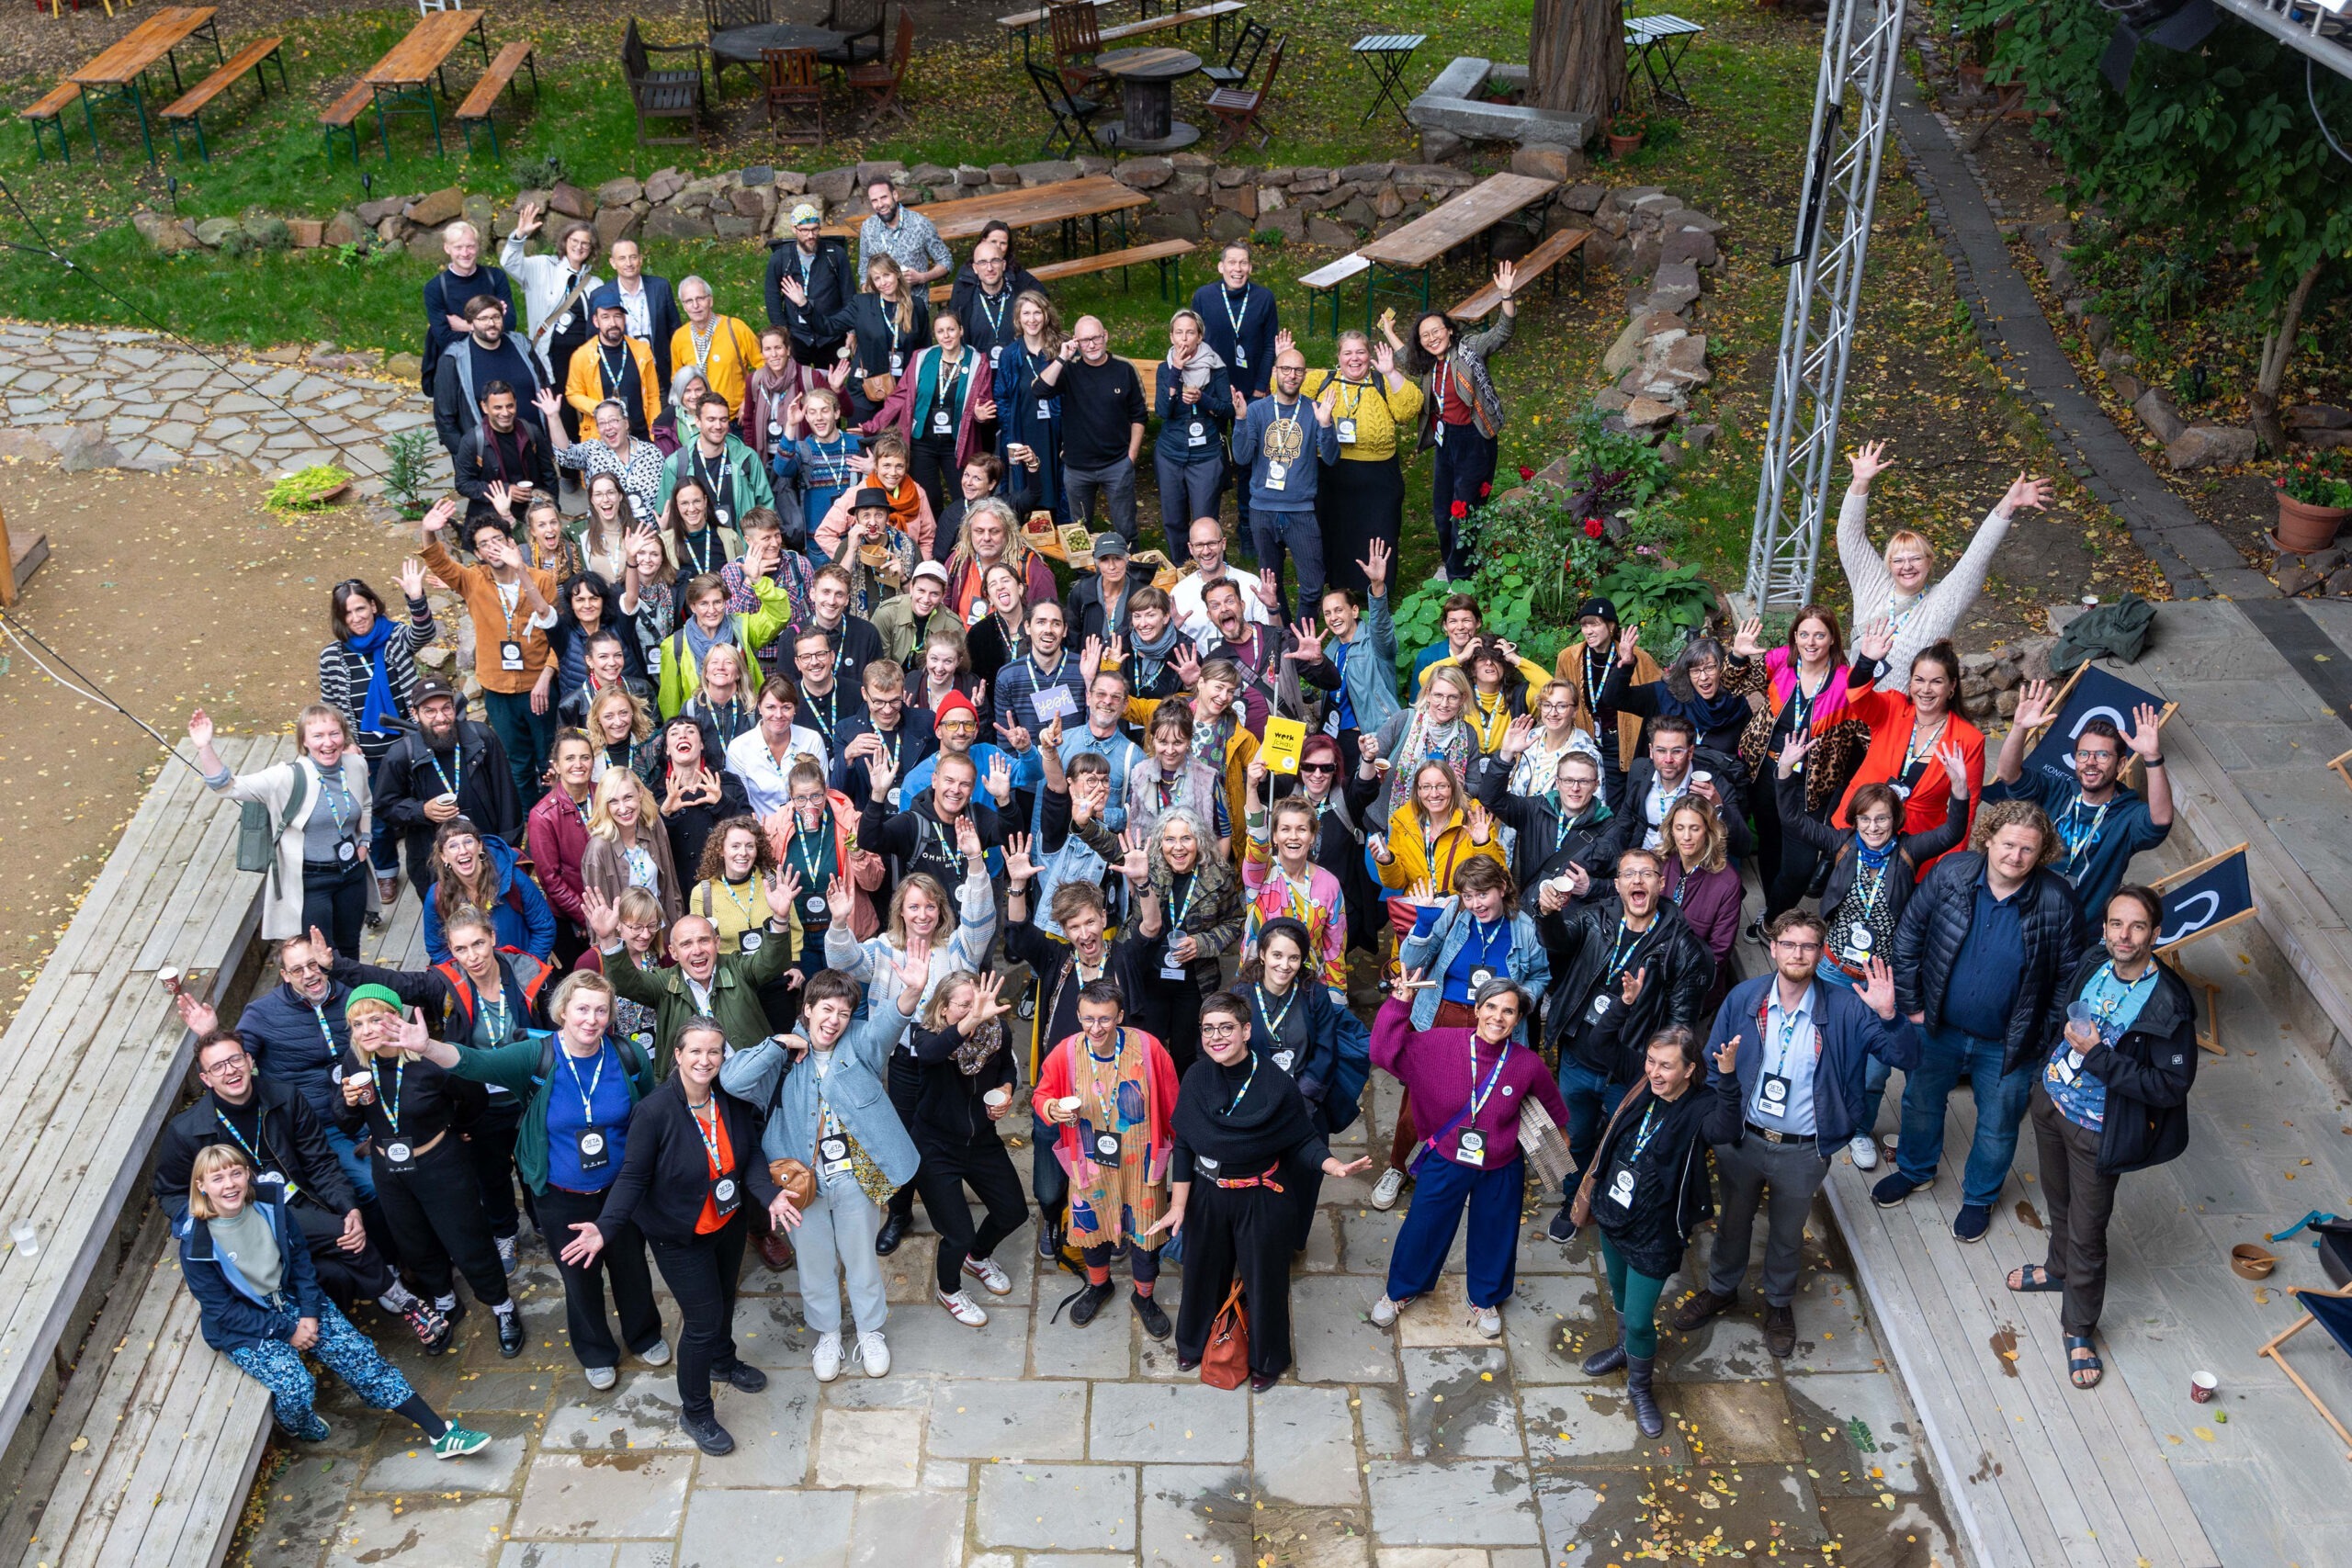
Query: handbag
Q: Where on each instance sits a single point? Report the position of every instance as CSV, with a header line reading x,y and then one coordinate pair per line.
x,y
1226,1362
878,389
256,843
797,1181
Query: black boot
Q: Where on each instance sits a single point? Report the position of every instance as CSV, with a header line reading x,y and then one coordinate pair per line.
x,y
1601,1364
1089,1302
1638,1393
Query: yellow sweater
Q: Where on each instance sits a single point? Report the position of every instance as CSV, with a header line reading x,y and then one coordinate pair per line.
x,y
734,351
1379,412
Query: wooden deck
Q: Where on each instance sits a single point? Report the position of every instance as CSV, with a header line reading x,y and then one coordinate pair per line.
x,y
2036,1472
96,1057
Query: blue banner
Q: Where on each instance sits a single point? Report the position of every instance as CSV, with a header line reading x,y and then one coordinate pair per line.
x,y
2097,695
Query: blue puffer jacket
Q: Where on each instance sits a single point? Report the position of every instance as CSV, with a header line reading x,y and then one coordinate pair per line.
x,y
237,1316
282,1031
1850,1034
854,1086
522,915
1528,963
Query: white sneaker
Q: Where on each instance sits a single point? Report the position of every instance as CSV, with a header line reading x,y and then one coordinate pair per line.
x,y
827,1360
1864,1148
657,1356
991,1274
1487,1321
599,1377
960,1306
1384,1190
506,1252
1384,1313
875,1354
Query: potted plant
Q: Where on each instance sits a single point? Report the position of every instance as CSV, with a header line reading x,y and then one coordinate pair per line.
x,y
1626,129
2315,498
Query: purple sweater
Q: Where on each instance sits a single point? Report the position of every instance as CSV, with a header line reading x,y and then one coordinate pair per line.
x,y
1434,1066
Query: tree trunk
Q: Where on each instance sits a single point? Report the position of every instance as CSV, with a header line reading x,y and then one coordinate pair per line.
x,y
1575,57
2277,348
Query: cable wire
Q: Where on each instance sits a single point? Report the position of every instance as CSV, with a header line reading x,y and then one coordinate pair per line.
x,y
26,638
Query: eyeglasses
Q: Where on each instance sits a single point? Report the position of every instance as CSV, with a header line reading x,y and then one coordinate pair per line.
x,y
313,968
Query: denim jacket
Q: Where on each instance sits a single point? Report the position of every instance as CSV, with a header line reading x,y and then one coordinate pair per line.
x,y
1436,951
855,1087
1370,673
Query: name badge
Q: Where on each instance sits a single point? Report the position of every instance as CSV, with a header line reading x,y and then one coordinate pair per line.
x,y
1106,1146
1277,475
1197,435
1621,1190
1283,1059
345,850
653,660
1045,409
1241,357
1902,791
1479,976
1862,938
894,797
725,1196
751,940
725,516
832,1157
1346,428
996,352
594,1152
563,323
1173,968
1440,433
976,613
1206,1163
1472,1148
400,1156
510,655
1772,1094
812,904
774,430
939,424
898,363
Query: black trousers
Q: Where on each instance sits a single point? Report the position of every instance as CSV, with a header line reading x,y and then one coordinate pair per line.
x,y
334,899
1244,1232
1784,861
623,1261
932,464
436,1214
905,1082
347,1277
490,1143
701,1274
941,1179
1171,1010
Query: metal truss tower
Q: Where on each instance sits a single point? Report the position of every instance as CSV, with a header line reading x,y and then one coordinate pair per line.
x,y
1852,101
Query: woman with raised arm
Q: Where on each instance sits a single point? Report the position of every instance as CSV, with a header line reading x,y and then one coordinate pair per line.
x,y
1193,395
369,674
1190,906
1361,496
1893,586
968,1081
319,816
1462,415
628,846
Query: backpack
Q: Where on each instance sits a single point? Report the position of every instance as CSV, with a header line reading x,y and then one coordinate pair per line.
x,y
256,842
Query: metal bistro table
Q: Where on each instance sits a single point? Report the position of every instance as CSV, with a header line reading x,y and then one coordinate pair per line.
x,y
120,70
742,45
1386,55
1148,76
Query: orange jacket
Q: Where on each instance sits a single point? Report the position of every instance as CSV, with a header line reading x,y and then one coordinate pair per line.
x,y
1890,715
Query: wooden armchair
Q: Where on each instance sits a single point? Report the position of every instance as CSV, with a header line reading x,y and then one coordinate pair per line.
x,y
662,94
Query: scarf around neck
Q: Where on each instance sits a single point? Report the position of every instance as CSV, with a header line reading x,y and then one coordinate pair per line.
x,y
376,712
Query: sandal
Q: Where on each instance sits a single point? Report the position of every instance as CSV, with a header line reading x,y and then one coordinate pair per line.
x,y
2034,1277
2082,1363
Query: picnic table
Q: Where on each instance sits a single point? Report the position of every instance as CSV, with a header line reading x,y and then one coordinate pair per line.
x,y
118,71
1066,202
405,80
1406,255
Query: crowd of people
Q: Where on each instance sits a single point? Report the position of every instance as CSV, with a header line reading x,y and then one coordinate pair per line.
x,y
817,835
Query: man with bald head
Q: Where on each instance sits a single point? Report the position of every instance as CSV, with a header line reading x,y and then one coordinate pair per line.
x,y
1287,442
1102,417
703,981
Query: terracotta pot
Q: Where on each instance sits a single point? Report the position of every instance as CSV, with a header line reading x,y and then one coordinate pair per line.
x,y
2303,527
1624,146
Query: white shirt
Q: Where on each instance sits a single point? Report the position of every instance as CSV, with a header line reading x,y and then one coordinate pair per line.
x,y
638,310
1661,801
766,784
1192,616
510,599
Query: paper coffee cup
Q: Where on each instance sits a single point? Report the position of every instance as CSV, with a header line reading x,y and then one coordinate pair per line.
x,y
997,1096
1069,1103
168,979
446,797
2203,1387
1700,775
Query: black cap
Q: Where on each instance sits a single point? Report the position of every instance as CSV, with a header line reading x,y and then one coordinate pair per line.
x,y
871,496
431,686
1112,543
1601,607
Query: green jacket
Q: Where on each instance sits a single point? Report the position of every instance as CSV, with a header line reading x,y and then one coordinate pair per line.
x,y
680,677
515,1067
751,480
734,994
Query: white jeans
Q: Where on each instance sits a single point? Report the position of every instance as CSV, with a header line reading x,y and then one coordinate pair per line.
x,y
837,1231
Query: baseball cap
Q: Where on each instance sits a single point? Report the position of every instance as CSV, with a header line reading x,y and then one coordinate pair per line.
x,y
433,686
806,213
606,299
1112,543
933,570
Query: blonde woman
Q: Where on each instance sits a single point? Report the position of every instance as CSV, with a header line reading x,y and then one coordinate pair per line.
x,y
1192,394
1029,410
627,844
620,726
1562,725
1701,879
967,1087
1430,834
1435,729
260,1304
892,321
317,808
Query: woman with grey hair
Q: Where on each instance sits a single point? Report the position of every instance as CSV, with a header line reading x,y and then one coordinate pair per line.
x,y
1189,911
611,450
1695,686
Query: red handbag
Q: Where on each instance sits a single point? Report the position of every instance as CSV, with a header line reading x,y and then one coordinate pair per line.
x,y
1225,1363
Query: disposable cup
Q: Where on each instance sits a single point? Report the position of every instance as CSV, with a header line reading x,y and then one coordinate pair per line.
x,y
997,1097
1069,1102
2203,1387
168,979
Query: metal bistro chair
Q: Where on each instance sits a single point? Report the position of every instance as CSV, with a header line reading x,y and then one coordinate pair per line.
x,y
1071,114
720,16
860,23
1247,46
793,86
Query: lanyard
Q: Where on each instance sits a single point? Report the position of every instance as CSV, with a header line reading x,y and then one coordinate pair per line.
x,y
1912,755
325,1033
1192,886
613,382
1355,400
1644,1133
333,796
1234,318
1621,950
504,1018
702,344
1502,930
743,908
701,558
1034,374
1272,1019
259,1134
832,468
457,753
1800,704
1790,1021
1592,684
1297,411
947,851
1238,1098
815,857
587,1094
950,379
1479,1096
393,1107
2088,838
2107,1007
832,701
709,1134
996,316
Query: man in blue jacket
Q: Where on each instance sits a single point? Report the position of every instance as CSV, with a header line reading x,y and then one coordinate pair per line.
x,y
1803,1047
296,1034
1286,442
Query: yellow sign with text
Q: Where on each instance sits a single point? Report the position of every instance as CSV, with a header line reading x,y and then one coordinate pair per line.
x,y
1285,738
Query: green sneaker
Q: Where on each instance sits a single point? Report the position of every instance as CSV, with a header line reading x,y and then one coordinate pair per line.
x,y
457,1442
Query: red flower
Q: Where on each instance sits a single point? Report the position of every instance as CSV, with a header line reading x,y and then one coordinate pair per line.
x,y
1525,472
1593,528
1484,489
1460,508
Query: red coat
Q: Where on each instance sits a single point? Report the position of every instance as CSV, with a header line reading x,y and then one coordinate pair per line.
x,y
555,838
1889,713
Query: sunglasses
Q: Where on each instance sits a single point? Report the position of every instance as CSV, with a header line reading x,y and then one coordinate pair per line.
x,y
1318,767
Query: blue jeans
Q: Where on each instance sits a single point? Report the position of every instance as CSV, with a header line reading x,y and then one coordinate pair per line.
x,y
1590,1100
1047,1178
358,1169
2000,1107
1874,1072
1299,537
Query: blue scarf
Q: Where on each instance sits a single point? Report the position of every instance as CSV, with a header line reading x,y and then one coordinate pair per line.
x,y
376,712
1870,859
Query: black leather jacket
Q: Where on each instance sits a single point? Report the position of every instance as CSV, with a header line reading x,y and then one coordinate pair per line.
x,y
1681,969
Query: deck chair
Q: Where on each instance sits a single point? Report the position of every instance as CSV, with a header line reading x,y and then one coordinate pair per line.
x,y
2332,1310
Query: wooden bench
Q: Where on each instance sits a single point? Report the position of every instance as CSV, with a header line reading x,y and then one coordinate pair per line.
x,y
1167,254
189,107
1549,252
155,1441
1326,279
343,115
498,78
47,112
1213,13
